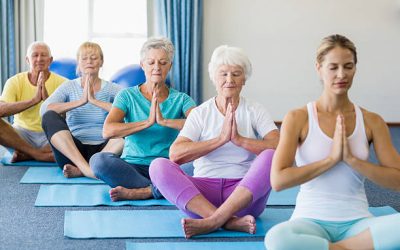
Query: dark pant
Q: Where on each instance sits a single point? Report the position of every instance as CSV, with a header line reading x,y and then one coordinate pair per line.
x,y
52,122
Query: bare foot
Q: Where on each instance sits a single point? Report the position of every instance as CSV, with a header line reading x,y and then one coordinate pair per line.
x,y
70,171
192,227
19,156
245,224
120,193
44,156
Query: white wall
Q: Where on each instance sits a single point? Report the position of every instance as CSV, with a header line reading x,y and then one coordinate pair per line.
x,y
281,37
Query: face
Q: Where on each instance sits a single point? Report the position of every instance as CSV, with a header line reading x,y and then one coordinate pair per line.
x,y
156,66
39,59
90,62
229,80
337,70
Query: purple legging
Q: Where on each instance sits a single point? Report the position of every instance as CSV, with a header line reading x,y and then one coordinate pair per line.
x,y
179,188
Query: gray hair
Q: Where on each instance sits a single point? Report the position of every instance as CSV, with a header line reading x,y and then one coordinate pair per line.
x,y
158,43
226,55
36,44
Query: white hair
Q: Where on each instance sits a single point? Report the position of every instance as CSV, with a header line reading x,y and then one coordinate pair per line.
x,y
158,43
226,55
35,44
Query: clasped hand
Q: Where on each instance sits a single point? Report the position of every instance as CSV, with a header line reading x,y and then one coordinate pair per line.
x,y
88,90
155,115
229,131
340,149
41,92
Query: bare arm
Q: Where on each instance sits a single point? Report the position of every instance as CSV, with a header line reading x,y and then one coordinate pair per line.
x,y
115,127
255,146
283,173
171,123
387,174
184,150
12,108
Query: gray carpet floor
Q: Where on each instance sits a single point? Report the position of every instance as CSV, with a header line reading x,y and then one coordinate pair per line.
x,y
23,226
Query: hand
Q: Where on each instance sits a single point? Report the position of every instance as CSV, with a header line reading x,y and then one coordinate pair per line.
x,y
86,79
226,130
90,90
337,146
347,155
159,117
41,82
153,109
235,136
38,96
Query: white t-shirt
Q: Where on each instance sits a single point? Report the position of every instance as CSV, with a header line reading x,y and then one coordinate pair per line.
x,y
228,161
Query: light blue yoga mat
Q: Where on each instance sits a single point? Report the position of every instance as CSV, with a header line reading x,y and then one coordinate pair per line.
x,y
150,224
285,197
6,161
190,245
160,223
51,175
97,195
85,195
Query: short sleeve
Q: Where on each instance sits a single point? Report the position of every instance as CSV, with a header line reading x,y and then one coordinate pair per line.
x,y
188,103
121,101
193,126
264,123
9,93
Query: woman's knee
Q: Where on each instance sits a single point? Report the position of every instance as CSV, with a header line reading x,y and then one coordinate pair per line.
x,y
160,167
100,163
279,238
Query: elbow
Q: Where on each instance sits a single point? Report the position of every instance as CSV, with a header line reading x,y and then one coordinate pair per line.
x,y
107,132
276,184
175,156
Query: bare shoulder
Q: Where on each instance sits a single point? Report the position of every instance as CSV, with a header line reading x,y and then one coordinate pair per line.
x,y
296,117
372,120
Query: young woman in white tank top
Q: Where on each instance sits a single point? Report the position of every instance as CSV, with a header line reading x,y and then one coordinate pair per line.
x,y
329,140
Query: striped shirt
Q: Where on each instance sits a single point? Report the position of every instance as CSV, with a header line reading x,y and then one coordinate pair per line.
x,y
85,122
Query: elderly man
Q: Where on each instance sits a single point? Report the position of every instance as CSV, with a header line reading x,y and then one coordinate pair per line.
x,y
22,96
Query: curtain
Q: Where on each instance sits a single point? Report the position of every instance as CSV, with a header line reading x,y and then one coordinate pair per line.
x,y
29,19
7,49
181,21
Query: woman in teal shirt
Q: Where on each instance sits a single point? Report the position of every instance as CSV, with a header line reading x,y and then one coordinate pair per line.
x,y
149,117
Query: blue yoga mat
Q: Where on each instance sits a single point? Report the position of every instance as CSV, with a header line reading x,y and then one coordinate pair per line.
x,y
85,195
285,197
97,195
6,161
160,223
185,245
150,224
51,175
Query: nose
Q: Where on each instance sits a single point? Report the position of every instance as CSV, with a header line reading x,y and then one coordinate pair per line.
x,y
341,73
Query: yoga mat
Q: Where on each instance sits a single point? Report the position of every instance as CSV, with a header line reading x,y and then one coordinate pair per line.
x,y
150,224
285,197
51,175
160,223
190,245
85,195
6,161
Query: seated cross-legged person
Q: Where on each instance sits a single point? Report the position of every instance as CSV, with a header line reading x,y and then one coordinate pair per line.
x,y
330,140
85,101
149,116
22,96
231,140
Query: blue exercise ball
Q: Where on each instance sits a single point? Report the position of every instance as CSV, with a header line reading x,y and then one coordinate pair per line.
x,y
65,67
129,76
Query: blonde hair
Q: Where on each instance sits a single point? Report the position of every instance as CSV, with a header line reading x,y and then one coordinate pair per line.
x,y
88,46
332,41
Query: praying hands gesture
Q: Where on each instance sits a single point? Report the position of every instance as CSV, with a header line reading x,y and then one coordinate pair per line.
x,y
340,149
229,131
41,92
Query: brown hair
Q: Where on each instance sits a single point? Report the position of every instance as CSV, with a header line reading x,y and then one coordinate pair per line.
x,y
332,41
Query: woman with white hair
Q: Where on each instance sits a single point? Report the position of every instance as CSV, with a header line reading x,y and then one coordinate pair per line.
x,y
231,141
149,117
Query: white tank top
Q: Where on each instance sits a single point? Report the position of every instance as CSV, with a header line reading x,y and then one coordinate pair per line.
x,y
339,193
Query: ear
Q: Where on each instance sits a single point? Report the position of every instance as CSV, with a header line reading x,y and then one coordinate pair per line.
x,y
141,65
51,60
27,60
318,68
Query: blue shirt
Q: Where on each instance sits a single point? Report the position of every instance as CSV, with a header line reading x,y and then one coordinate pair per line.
x,y
144,146
84,122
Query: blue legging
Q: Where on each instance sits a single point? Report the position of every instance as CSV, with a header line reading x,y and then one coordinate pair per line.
x,y
308,234
114,171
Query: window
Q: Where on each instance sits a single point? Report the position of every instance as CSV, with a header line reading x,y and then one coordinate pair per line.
x,y
119,26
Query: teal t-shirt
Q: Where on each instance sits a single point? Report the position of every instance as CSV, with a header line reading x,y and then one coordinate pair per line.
x,y
146,145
